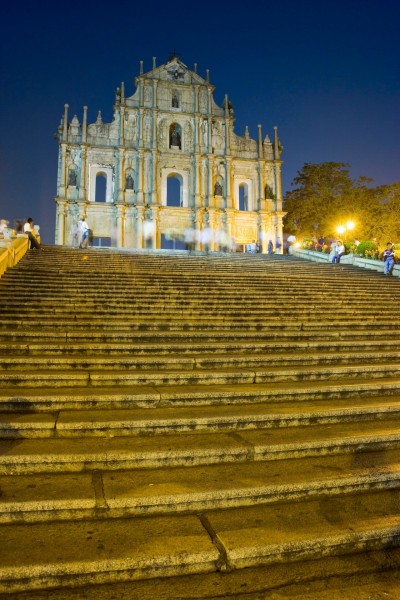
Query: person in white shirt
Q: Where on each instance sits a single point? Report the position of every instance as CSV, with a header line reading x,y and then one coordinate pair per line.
x,y
30,232
338,251
84,233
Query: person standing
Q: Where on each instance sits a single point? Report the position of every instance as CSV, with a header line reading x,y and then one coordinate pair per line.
x,y
30,232
84,233
388,259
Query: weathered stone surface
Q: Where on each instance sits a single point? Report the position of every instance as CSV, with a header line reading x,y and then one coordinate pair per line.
x,y
224,432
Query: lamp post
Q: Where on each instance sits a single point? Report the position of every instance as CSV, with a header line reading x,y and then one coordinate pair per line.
x,y
343,229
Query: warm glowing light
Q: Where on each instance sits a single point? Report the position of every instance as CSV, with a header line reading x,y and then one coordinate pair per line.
x,y
297,244
340,229
349,225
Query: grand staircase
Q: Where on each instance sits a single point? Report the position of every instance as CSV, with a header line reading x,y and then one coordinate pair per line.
x,y
197,426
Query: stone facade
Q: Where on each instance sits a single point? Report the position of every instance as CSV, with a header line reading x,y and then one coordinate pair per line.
x,y
169,129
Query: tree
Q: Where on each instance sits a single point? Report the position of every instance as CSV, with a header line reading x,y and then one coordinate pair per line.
x,y
325,196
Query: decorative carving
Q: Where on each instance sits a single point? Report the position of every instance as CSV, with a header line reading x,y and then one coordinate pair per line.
x,y
203,101
217,135
147,126
204,131
176,73
188,136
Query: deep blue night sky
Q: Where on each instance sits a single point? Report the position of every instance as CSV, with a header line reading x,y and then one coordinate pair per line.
x,y
327,73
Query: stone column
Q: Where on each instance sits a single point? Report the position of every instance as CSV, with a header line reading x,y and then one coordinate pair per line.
x,y
228,175
139,226
84,125
121,160
121,125
278,184
156,236
140,176
65,123
60,229
154,187
230,223
82,183
198,219
129,229
62,189
120,225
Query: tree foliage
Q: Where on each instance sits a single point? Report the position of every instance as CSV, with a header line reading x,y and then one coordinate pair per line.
x,y
325,196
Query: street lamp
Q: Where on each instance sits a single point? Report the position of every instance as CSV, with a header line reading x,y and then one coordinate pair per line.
x,y
343,229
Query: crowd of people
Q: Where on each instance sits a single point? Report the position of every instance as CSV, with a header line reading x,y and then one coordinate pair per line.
x,y
338,249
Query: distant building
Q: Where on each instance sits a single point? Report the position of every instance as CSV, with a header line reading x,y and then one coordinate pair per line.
x,y
169,157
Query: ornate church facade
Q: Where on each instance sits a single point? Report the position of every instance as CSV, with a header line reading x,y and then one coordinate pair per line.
x,y
170,157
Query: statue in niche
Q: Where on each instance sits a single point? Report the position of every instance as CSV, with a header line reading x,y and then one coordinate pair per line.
x,y
175,100
175,136
147,94
268,193
72,178
129,182
218,189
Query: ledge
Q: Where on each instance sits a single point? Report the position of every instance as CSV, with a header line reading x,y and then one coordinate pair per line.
x,y
11,251
348,259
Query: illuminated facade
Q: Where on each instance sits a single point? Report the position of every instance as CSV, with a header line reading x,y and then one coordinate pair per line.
x,y
169,157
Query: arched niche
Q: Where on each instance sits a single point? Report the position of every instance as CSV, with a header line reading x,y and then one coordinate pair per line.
x,y
175,136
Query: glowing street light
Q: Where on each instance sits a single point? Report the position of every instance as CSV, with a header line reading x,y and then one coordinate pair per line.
x,y
343,229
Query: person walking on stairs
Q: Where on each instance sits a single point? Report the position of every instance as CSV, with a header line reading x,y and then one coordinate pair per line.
x,y
84,233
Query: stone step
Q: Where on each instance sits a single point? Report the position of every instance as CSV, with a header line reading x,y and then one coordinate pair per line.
x,y
235,289
244,421
104,551
123,348
97,361
115,494
187,309
215,417
183,449
46,399
331,578
197,329
94,377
